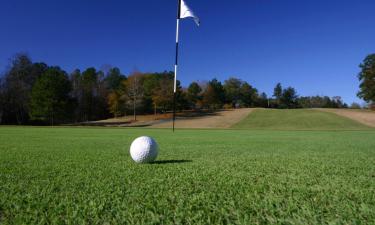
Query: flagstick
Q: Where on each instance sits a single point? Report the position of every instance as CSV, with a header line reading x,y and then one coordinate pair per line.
x,y
176,63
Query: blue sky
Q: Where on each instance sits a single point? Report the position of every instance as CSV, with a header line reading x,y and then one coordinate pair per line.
x,y
314,46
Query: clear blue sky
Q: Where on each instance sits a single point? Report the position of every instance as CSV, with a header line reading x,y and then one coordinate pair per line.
x,y
314,46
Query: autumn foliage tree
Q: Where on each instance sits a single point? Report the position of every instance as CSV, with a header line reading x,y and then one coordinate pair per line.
x,y
117,103
116,87
214,95
162,94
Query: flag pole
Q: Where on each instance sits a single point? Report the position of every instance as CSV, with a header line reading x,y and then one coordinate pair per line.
x,y
176,63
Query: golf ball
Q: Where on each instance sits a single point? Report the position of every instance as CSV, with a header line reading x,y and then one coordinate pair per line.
x,y
144,149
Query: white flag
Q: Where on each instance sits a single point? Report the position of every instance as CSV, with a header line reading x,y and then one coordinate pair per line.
x,y
186,12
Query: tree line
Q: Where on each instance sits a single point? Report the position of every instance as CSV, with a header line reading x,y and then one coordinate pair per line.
x,y
35,93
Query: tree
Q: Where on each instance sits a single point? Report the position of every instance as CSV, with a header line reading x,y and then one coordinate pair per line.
x,y
50,97
114,79
248,95
367,79
337,102
156,87
116,102
101,107
321,102
162,94
134,91
92,93
278,92
88,87
193,94
77,94
116,86
181,99
18,88
18,83
232,90
2,100
214,95
289,98
263,101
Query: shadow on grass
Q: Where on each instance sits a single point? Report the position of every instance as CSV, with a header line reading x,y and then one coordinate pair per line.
x,y
171,161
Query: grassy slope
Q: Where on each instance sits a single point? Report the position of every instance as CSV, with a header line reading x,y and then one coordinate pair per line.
x,y
297,119
76,175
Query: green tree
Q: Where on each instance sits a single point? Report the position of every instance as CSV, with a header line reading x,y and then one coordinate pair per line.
x,y
114,79
320,102
89,80
50,97
232,90
263,101
289,98
93,95
248,95
2,100
367,79
193,94
337,102
278,92
77,94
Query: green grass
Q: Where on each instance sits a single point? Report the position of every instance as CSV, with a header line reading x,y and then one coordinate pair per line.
x,y
297,119
86,176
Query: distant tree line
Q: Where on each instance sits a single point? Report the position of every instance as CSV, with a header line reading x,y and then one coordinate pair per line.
x,y
35,93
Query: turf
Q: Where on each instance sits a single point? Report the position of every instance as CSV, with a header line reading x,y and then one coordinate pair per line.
x,y
85,176
297,119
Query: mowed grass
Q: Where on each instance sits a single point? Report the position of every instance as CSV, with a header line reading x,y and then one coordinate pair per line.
x,y
297,119
86,176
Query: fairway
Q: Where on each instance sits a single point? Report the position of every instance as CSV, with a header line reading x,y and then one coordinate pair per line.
x,y
85,175
297,119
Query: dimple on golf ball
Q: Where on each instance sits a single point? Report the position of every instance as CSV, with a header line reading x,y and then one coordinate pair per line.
x,y
144,149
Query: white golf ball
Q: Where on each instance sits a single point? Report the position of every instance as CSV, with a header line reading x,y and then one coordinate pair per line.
x,y
144,150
